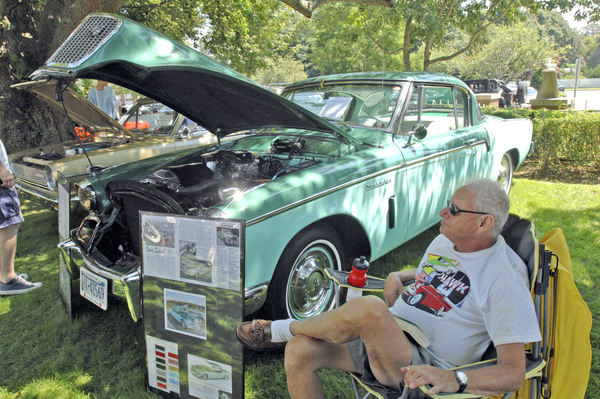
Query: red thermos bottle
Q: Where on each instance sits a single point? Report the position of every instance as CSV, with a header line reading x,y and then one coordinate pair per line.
x,y
358,275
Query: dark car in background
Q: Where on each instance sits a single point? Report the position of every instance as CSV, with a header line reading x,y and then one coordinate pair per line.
x,y
508,97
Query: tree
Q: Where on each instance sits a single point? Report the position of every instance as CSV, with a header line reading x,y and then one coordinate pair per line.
x,y
27,37
426,24
592,51
241,31
307,7
510,52
285,69
566,38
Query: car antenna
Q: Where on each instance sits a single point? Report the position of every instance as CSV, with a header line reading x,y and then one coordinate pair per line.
x,y
59,89
382,83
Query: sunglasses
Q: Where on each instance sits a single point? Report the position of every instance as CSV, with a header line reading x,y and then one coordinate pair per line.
x,y
454,209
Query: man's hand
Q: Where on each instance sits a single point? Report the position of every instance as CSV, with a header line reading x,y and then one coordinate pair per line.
x,y
507,375
394,284
393,288
441,380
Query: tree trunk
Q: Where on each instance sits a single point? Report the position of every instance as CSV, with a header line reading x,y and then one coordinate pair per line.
x,y
25,121
406,46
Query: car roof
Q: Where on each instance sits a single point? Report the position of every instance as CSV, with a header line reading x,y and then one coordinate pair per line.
x,y
414,76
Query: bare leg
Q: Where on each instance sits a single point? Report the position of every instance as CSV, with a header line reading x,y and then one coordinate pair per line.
x,y
367,318
304,356
8,248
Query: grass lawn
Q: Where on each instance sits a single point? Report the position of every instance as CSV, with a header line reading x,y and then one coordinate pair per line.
x,y
102,355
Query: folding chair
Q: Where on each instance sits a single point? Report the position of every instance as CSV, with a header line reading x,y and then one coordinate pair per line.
x,y
543,267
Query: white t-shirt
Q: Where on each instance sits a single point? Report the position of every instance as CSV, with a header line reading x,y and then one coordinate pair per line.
x,y
4,157
462,301
105,100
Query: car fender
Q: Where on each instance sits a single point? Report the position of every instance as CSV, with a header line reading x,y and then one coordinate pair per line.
x,y
512,136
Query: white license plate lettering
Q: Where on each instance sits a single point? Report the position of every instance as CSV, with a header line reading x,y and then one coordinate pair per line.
x,y
93,288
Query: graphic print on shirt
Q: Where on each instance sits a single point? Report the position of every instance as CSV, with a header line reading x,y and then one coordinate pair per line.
x,y
440,286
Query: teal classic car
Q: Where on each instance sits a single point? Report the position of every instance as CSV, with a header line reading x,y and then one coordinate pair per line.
x,y
185,317
334,168
212,371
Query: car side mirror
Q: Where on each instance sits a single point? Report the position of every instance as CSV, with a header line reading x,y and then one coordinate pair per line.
x,y
184,132
419,131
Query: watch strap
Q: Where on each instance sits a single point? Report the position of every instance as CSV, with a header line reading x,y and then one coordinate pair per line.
x,y
463,385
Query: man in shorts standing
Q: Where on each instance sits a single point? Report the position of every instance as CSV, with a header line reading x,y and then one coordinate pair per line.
x,y
483,292
10,220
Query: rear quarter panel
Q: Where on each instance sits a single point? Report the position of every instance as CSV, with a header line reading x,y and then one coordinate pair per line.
x,y
509,135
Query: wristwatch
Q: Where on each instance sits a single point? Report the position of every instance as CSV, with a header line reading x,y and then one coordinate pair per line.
x,y
462,380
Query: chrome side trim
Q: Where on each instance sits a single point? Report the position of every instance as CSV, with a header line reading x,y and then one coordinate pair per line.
x,y
358,181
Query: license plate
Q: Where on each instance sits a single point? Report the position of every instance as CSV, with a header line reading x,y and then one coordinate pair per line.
x,y
94,288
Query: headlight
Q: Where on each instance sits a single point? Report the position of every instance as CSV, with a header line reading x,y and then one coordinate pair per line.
x,y
87,198
50,178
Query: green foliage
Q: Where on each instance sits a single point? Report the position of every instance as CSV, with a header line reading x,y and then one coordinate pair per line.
x,y
348,38
560,135
245,34
285,69
557,29
510,52
592,51
591,72
178,19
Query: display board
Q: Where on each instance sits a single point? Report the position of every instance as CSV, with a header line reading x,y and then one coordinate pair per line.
x,y
64,212
192,298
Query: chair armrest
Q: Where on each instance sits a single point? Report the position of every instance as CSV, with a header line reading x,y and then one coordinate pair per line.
x,y
374,284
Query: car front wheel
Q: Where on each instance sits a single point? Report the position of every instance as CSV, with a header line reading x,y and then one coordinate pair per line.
x,y
505,172
300,288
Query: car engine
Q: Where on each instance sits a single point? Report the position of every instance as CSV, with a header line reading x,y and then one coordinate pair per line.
x,y
221,174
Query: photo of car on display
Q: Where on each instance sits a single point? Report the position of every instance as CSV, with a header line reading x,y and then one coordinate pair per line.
x,y
141,134
186,317
211,371
368,167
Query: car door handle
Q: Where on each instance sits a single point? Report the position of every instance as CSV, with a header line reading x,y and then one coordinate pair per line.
x,y
469,142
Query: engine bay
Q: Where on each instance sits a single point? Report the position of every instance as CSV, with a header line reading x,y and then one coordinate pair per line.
x,y
223,173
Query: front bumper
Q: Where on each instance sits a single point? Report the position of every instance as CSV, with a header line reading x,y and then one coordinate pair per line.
x,y
126,286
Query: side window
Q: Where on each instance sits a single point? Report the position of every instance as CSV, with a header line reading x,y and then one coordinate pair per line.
x,y
431,106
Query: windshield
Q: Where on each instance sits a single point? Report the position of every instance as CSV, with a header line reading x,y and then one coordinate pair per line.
x,y
369,105
149,117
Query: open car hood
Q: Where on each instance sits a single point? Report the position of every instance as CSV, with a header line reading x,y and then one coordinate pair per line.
x,y
118,50
82,112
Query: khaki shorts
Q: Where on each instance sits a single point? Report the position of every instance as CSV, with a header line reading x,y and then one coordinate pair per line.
x,y
360,359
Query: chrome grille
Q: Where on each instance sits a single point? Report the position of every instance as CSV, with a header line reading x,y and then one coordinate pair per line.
x,y
30,174
85,40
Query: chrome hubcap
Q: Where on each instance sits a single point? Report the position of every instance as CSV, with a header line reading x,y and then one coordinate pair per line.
x,y
309,290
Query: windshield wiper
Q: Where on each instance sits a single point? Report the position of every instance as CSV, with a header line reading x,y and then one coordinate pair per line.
x,y
346,124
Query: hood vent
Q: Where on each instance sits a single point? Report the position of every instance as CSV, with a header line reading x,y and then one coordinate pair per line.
x,y
84,41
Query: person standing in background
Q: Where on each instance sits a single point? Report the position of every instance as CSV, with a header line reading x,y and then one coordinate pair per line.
x,y
103,97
